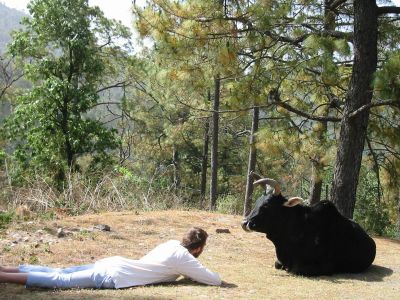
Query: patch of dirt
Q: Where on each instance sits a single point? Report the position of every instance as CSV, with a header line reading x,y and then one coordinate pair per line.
x,y
244,260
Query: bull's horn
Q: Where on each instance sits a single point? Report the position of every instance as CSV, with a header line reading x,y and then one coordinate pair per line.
x,y
271,182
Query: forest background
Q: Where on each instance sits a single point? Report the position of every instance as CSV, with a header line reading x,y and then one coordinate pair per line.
x,y
306,92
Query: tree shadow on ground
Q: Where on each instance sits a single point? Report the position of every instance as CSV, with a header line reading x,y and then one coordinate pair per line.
x,y
373,274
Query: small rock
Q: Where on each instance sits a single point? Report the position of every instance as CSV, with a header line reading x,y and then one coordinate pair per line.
x,y
60,233
102,227
222,230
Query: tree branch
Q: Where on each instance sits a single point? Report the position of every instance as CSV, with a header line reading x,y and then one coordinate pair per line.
x,y
221,111
395,103
274,97
105,103
118,84
382,10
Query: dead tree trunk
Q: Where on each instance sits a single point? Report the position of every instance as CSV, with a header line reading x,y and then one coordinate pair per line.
x,y
398,214
214,148
316,183
252,162
204,164
316,164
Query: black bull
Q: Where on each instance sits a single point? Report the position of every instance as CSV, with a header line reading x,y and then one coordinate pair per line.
x,y
310,241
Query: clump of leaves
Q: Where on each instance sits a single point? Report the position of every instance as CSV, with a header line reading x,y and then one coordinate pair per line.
x,y
370,211
230,204
5,219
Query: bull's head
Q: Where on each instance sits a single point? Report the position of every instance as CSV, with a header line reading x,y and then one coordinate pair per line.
x,y
269,209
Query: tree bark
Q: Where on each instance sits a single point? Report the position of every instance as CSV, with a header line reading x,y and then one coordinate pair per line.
x,y
353,130
398,214
316,183
204,163
316,163
176,174
252,162
214,149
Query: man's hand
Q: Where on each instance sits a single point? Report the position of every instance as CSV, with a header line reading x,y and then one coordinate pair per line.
x,y
225,284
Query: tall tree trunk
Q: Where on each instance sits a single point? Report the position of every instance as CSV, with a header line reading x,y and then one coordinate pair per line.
x,y
317,166
252,162
214,149
353,130
398,213
316,182
176,174
204,164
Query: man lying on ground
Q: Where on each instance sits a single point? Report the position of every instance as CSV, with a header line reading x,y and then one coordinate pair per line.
x,y
165,263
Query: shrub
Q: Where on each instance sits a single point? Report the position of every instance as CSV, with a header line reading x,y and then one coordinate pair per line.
x,y
230,204
5,219
370,212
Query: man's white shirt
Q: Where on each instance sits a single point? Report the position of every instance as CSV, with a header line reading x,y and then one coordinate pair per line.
x,y
165,263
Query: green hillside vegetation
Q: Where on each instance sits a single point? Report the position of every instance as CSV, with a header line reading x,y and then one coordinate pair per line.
x,y
9,20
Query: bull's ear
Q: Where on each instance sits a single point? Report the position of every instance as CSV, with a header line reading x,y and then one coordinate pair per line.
x,y
293,202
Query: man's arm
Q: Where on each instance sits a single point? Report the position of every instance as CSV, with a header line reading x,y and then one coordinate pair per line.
x,y
190,267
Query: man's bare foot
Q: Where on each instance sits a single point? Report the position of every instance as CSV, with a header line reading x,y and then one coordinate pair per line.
x,y
19,278
9,269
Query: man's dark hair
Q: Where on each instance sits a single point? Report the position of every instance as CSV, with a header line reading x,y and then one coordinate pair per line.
x,y
194,238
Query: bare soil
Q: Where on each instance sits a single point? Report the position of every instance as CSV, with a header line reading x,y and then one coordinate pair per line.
x,y
244,260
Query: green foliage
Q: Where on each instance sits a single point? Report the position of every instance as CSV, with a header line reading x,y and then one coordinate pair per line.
x,y
230,204
130,178
387,80
5,219
65,50
3,155
370,212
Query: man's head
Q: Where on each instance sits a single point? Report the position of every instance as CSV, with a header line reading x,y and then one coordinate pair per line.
x,y
194,240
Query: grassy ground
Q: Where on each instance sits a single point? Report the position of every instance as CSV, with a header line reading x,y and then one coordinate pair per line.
x,y
244,260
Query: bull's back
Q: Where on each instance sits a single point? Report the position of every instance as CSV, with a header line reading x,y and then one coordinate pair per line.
x,y
351,248
354,249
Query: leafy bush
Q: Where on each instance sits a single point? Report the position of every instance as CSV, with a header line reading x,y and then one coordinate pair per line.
x,y
370,212
230,204
5,219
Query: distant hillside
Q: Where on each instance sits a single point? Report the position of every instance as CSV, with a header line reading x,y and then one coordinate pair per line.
x,y
9,20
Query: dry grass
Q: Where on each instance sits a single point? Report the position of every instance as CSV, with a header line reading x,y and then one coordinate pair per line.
x,y
245,260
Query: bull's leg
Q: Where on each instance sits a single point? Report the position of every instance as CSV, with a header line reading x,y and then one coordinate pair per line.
x,y
313,269
279,265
